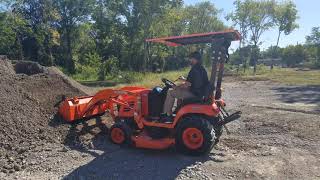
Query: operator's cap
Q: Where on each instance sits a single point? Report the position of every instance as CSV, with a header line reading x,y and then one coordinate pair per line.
x,y
196,55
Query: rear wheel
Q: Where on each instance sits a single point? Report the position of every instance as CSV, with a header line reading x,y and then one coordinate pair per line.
x,y
195,135
218,130
120,133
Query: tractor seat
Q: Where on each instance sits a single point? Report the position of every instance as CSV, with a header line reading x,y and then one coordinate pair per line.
x,y
193,100
199,100
184,102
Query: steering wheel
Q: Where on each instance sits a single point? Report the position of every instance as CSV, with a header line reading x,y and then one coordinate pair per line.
x,y
168,83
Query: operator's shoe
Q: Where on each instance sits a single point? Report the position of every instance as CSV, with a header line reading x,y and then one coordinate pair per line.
x,y
164,118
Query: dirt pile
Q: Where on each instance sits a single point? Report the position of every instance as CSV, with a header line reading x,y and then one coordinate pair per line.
x,y
29,95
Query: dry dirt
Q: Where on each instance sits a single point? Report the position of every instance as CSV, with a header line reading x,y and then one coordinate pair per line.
x,y
278,137
28,104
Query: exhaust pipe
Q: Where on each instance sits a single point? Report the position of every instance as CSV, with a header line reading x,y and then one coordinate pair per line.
x,y
230,118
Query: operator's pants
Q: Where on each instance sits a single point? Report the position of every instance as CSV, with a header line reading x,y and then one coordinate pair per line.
x,y
177,92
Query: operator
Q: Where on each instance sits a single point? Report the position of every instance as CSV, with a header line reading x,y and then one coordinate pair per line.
x,y
192,87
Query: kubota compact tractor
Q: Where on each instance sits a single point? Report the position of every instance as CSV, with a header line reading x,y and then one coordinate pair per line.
x,y
198,122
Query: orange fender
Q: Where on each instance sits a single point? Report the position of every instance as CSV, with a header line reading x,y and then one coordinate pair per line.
x,y
211,110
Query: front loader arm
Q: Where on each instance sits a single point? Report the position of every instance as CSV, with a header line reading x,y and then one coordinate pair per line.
x,y
75,108
104,96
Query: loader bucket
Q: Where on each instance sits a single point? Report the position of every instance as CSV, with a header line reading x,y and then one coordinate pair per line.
x,y
88,106
73,108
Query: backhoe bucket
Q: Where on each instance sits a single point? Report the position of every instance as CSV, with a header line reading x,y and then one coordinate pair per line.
x,y
73,109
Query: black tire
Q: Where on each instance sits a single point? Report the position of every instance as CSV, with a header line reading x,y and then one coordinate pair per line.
x,y
127,131
219,131
200,124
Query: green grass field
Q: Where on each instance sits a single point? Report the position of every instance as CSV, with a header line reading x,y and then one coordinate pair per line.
x,y
288,76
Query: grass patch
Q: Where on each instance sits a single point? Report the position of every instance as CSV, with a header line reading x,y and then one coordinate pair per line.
x,y
149,79
289,76
127,78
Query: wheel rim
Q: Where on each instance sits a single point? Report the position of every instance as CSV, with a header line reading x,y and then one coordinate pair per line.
x,y
117,135
192,138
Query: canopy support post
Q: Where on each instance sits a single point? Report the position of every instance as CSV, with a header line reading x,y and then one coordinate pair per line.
x,y
219,56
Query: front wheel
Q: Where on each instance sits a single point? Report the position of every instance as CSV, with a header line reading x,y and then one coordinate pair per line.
x,y
120,133
195,135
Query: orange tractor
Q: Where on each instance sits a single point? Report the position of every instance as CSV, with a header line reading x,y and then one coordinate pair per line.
x,y
198,122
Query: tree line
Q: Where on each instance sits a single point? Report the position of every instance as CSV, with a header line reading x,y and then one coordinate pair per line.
x,y
106,36
253,18
101,35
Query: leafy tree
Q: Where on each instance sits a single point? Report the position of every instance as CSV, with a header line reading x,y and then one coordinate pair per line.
x,y
38,16
71,13
285,16
293,55
260,20
272,52
109,29
172,23
12,28
84,44
100,37
240,19
203,17
254,17
313,40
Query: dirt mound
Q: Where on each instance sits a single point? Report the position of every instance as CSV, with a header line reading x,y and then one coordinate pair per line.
x,y
29,68
29,95
70,81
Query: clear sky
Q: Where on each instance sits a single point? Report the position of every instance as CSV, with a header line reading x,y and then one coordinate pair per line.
x,y
309,16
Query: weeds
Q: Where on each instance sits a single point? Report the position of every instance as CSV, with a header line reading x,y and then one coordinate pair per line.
x,y
287,76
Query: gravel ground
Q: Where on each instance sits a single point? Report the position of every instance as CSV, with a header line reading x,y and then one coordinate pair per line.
x,y
276,138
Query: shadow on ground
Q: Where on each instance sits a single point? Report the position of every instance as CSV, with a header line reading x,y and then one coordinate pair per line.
x,y
130,163
115,162
309,95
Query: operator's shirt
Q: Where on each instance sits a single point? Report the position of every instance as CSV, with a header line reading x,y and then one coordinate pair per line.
x,y
198,77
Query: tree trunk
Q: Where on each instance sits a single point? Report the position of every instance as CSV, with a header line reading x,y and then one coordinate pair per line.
x,y
274,51
318,55
69,61
241,57
145,57
254,59
279,33
19,45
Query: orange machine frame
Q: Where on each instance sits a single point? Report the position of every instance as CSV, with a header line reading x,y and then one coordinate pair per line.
x,y
132,102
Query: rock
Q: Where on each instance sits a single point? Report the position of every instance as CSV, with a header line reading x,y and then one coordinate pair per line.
x,y
64,149
48,149
91,146
11,171
33,163
21,150
7,166
2,174
10,159
17,167
84,155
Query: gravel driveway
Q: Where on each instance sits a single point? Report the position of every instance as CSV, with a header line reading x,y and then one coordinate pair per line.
x,y
276,138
